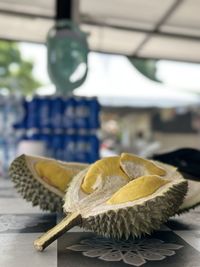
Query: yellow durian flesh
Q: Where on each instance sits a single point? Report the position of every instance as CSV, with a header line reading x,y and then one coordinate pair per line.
x,y
99,171
55,174
135,166
138,188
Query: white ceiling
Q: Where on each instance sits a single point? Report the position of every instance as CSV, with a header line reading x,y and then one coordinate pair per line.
x,y
167,29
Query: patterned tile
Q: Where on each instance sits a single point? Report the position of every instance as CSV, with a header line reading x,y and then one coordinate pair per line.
x,y
191,237
187,221
26,223
17,206
6,189
16,250
164,249
7,192
5,182
177,244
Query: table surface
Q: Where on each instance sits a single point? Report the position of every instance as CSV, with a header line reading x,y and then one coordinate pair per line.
x,y
176,244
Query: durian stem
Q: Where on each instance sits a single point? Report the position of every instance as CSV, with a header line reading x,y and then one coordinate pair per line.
x,y
50,236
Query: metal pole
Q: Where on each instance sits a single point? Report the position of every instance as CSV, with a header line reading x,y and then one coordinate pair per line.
x,y
63,9
67,9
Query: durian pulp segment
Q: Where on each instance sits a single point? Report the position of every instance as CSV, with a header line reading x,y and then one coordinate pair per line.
x,y
138,188
192,198
32,161
135,166
55,174
99,172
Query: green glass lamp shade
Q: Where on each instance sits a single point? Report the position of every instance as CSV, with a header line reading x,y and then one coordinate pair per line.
x,y
67,56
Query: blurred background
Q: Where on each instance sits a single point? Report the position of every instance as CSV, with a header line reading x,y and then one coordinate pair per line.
x,y
85,79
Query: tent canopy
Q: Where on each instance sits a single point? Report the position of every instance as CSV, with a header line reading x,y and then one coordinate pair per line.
x,y
117,83
151,29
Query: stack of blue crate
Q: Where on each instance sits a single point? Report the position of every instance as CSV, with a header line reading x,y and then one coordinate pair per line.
x,y
68,126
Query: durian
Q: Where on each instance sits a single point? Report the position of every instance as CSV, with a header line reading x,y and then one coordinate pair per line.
x,y
120,206
187,161
43,181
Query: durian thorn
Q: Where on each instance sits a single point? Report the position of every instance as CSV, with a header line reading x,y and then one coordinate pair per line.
x,y
54,233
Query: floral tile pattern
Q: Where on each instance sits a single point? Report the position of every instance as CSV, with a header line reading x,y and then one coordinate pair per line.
x,y
135,253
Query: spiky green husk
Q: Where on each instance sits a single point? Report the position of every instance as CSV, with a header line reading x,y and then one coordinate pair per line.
x,y
31,189
140,219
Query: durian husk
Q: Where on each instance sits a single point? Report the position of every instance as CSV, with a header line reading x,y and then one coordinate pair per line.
x,y
35,189
135,218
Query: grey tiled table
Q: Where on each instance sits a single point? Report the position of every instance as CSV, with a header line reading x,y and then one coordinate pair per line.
x,y
177,244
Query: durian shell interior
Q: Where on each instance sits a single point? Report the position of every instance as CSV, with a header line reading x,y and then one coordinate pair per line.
x,y
31,162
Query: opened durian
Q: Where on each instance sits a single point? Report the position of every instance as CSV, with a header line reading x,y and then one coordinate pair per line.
x,y
119,197
43,181
187,160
